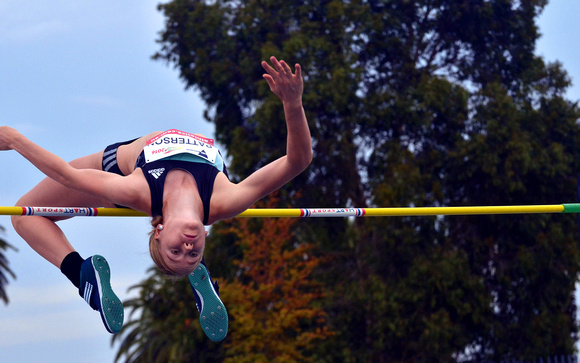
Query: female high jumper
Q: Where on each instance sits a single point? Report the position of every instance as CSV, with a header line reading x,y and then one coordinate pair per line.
x,y
178,178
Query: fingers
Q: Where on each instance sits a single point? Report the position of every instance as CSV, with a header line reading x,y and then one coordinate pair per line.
x,y
270,81
280,67
268,68
285,68
282,81
298,70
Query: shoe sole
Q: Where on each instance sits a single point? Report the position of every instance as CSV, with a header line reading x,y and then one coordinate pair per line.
x,y
111,308
213,316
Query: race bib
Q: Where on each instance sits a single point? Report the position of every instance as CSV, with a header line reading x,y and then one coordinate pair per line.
x,y
173,142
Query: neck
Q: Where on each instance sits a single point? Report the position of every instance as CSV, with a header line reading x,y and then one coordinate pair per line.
x,y
181,196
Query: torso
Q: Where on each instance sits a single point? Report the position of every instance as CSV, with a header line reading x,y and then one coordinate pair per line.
x,y
176,179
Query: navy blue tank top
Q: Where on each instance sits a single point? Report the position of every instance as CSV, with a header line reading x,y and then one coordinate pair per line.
x,y
155,173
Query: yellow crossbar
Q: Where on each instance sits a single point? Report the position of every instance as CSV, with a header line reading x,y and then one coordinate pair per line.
x,y
307,212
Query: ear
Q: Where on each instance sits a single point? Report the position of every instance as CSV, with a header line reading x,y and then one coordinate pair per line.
x,y
157,231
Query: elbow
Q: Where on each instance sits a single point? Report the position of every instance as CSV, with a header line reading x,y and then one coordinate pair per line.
x,y
63,180
298,162
305,159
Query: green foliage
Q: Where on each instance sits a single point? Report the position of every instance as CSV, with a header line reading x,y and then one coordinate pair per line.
x,y
520,153
163,325
4,268
410,103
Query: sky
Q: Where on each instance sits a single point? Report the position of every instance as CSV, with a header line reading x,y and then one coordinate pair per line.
x,y
75,77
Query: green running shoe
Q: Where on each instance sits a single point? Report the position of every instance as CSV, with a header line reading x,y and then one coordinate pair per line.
x,y
213,316
96,289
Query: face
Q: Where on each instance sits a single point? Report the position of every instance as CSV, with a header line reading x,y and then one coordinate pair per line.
x,y
181,243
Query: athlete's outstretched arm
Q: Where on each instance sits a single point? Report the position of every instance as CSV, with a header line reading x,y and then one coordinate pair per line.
x,y
50,164
288,86
108,186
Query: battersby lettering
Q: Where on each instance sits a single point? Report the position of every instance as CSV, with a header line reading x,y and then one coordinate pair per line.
x,y
180,141
174,133
174,142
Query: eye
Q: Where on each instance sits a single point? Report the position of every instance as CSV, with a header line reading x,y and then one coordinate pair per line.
x,y
193,254
175,252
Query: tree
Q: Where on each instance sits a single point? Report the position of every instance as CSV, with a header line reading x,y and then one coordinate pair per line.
x,y
273,303
4,268
521,154
410,103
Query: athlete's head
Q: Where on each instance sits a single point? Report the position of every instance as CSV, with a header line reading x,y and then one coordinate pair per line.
x,y
176,245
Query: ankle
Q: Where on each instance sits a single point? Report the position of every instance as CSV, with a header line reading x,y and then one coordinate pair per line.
x,y
71,268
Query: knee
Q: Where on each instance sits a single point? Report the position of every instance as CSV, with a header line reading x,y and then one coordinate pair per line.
x,y
17,223
17,220
20,222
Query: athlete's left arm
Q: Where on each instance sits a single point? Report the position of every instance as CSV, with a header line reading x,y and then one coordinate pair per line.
x,y
288,86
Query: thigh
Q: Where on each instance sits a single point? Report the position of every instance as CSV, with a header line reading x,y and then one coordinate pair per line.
x,y
127,154
49,193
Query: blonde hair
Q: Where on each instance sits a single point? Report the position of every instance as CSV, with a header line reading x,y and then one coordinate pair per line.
x,y
155,252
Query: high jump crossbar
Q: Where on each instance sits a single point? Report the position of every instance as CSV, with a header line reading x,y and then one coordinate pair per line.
x,y
305,212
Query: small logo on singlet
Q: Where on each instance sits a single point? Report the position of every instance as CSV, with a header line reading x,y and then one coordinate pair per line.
x,y
156,172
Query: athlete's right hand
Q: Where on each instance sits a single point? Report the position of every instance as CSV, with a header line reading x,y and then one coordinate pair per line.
x,y
7,136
